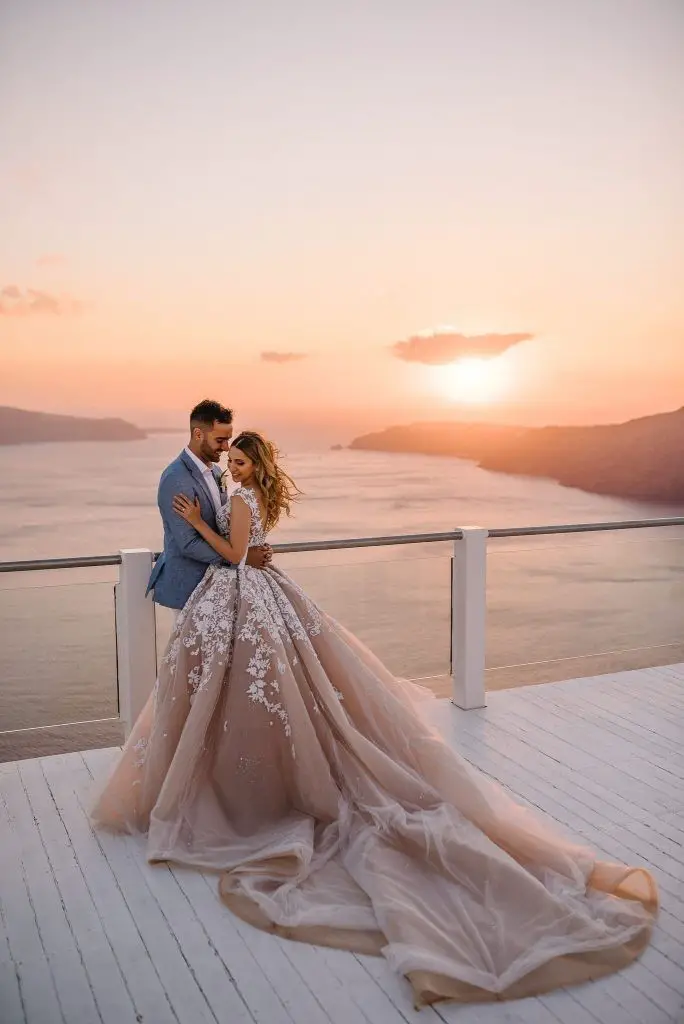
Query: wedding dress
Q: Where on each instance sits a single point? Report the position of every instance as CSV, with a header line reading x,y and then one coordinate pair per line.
x,y
278,751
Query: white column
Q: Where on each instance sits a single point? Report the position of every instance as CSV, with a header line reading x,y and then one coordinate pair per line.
x,y
469,613
136,642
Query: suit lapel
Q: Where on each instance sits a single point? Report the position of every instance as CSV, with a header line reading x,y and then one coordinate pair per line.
x,y
199,478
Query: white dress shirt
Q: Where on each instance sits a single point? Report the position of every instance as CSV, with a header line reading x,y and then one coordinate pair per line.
x,y
209,479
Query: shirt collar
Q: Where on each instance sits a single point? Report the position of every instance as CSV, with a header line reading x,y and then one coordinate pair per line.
x,y
203,468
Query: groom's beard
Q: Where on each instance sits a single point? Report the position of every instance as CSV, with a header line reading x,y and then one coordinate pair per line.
x,y
210,456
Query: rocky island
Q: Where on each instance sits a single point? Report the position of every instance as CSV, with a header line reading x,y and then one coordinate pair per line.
x,y
20,426
642,458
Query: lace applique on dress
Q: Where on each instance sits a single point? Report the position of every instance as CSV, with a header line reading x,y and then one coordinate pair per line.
x,y
205,626
257,534
268,623
141,751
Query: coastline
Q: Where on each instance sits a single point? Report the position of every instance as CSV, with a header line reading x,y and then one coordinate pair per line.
x,y
22,427
639,460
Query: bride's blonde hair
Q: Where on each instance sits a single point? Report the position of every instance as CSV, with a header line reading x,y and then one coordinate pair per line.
x,y
278,489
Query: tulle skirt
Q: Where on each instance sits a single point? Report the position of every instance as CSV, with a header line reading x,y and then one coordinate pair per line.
x,y
279,752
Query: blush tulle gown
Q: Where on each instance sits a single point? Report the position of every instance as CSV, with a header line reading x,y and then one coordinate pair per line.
x,y
279,752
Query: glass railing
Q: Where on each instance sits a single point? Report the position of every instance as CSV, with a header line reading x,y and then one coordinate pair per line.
x,y
606,599
396,600
560,608
58,677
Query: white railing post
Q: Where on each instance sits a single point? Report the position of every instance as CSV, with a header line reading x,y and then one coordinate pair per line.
x,y
136,643
468,618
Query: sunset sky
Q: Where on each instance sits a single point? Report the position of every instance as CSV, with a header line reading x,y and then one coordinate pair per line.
x,y
265,202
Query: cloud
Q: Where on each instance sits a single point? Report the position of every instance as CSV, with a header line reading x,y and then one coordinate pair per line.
x,y
51,259
439,347
282,357
31,302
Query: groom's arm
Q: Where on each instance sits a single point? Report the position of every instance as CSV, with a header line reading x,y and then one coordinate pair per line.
x,y
186,537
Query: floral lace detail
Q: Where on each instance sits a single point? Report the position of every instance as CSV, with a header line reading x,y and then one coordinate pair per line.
x,y
272,621
206,628
195,680
257,534
270,626
265,628
141,750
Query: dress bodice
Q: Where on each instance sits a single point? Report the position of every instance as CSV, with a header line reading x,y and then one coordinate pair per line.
x,y
257,534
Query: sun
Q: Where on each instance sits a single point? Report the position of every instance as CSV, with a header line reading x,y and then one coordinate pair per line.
x,y
473,380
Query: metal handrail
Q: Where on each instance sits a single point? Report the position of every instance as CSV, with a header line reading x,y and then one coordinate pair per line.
x,y
494,533
94,561
367,542
36,564
542,531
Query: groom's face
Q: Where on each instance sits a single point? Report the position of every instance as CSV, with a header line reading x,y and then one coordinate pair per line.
x,y
215,442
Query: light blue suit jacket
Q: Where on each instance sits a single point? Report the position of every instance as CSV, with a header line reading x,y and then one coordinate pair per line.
x,y
185,557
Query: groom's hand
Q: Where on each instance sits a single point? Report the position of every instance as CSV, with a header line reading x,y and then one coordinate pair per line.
x,y
260,558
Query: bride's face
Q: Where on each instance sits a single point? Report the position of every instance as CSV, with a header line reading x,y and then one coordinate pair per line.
x,y
240,466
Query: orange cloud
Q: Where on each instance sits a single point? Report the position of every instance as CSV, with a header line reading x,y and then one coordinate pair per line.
x,y
30,302
439,347
282,357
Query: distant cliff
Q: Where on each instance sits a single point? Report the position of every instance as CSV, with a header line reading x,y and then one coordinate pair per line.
x,y
643,458
19,426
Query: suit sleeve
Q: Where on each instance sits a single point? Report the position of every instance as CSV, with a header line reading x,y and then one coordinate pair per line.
x,y
186,536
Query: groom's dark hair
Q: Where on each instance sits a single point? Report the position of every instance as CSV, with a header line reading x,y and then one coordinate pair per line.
x,y
207,413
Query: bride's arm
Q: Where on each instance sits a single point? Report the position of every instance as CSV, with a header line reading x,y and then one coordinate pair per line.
x,y
232,550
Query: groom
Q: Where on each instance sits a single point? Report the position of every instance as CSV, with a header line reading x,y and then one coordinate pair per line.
x,y
196,474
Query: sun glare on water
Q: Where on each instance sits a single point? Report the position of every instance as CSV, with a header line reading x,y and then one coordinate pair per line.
x,y
473,380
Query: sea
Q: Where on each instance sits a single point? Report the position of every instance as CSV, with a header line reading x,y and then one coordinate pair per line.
x,y
558,606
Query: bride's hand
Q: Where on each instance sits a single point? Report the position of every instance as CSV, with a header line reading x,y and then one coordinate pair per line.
x,y
260,558
189,510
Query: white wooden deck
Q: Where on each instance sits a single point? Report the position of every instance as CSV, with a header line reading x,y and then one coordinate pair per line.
x,y
90,933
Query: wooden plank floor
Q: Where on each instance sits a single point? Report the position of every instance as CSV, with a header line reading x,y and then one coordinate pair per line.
x,y
90,933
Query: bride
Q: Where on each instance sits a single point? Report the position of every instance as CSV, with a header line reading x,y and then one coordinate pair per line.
x,y
278,751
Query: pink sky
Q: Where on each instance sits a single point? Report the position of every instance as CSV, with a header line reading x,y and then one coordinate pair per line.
x,y
183,189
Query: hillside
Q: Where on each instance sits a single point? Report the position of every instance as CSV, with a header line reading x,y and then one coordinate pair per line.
x,y
642,458
19,426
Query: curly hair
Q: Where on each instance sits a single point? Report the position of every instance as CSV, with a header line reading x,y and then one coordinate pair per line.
x,y
278,489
